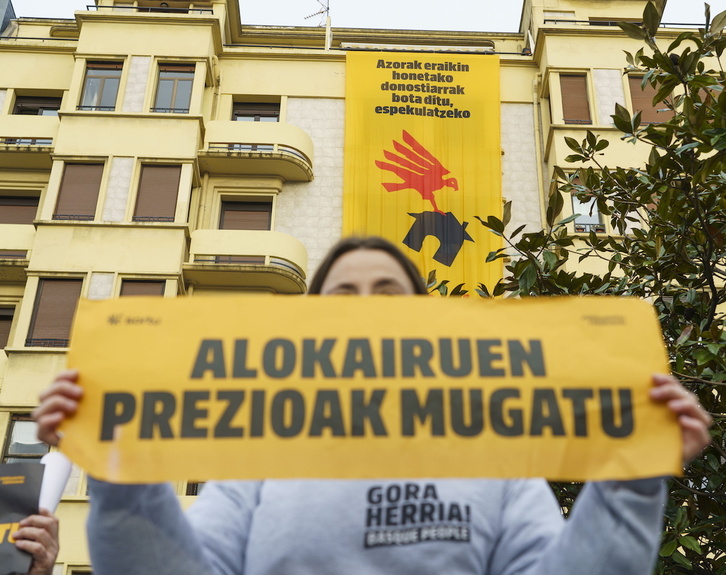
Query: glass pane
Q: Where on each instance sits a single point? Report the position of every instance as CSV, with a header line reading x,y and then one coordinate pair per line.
x,y
268,118
110,89
91,92
24,432
74,480
163,94
115,73
587,210
23,440
45,112
183,94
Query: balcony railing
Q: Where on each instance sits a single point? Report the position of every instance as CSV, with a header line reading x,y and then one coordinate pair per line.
x,y
252,258
273,148
148,10
170,110
587,228
96,108
35,342
73,217
27,141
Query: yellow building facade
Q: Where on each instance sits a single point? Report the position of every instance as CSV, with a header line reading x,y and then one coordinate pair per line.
x,y
165,148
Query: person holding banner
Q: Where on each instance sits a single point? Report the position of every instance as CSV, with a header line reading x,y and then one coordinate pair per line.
x,y
454,526
38,536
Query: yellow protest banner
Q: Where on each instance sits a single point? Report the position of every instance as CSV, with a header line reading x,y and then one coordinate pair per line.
x,y
285,387
423,158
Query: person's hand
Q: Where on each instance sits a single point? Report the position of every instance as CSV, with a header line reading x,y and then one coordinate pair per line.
x,y
38,535
56,403
693,419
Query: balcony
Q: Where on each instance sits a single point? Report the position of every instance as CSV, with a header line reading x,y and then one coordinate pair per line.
x,y
27,142
257,148
254,260
28,372
16,241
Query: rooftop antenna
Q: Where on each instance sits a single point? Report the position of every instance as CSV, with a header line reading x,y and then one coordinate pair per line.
x,y
324,14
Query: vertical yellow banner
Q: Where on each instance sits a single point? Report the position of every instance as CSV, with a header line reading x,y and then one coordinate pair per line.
x,y
422,158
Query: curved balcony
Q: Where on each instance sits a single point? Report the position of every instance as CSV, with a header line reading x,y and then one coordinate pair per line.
x,y
257,148
254,260
26,142
16,242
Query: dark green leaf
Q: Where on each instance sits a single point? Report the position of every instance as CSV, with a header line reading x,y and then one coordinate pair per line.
x,y
632,30
554,208
668,548
527,278
718,23
651,19
573,144
507,214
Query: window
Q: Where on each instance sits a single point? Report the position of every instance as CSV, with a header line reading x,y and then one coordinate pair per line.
x,y
589,219
194,487
142,287
21,443
17,209
612,21
255,112
642,100
245,215
156,199
6,322
239,215
27,141
78,194
575,105
100,86
55,304
250,112
174,92
32,106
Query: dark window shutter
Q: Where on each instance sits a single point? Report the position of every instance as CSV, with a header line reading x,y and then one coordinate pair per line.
x,y
575,105
78,193
6,320
104,65
181,68
18,210
142,287
245,216
642,100
158,189
55,304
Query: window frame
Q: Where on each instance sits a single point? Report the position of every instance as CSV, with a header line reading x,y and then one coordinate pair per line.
x,y
6,455
127,281
256,111
6,311
645,96
257,204
96,105
6,200
38,103
143,189
585,76
170,68
32,341
64,200
587,227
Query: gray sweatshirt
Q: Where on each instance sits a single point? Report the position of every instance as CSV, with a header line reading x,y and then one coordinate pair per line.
x,y
418,526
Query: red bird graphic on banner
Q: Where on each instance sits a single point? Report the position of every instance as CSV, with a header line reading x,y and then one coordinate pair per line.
x,y
419,170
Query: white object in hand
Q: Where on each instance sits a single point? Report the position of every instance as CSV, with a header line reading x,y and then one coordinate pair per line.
x,y
55,476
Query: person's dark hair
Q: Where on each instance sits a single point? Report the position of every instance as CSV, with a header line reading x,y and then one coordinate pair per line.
x,y
368,243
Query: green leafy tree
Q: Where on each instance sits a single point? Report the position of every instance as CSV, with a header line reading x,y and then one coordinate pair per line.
x,y
669,246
